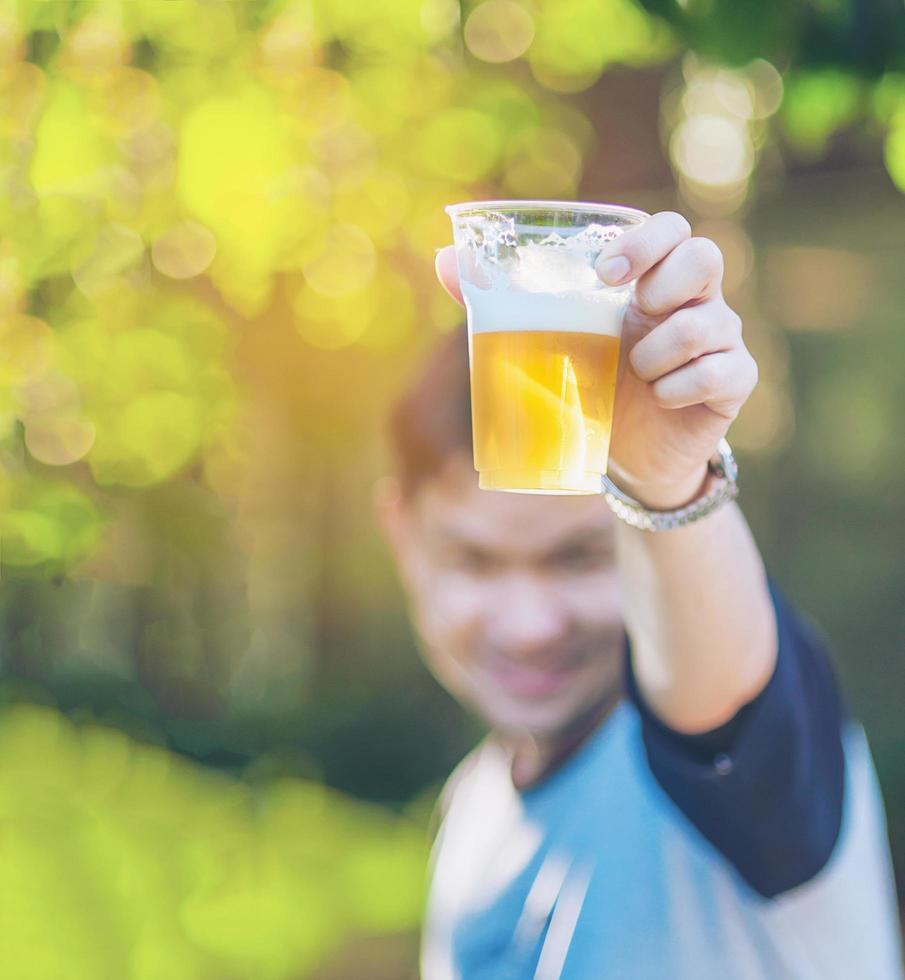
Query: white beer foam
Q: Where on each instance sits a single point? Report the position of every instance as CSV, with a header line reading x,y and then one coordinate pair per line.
x,y
545,284
597,311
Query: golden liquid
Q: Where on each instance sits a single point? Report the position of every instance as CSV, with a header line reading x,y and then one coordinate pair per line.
x,y
542,409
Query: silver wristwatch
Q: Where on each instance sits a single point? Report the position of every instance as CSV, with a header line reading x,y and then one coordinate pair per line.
x,y
721,487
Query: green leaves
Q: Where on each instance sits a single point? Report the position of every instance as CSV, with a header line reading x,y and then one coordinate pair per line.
x,y
46,525
817,104
119,859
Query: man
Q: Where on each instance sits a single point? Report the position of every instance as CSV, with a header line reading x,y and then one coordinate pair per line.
x,y
694,803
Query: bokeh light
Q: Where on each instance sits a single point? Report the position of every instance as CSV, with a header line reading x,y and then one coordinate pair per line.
x,y
28,347
499,30
817,104
172,870
344,263
94,50
461,144
185,250
767,87
545,161
117,250
716,125
58,440
576,39
47,525
713,150
894,150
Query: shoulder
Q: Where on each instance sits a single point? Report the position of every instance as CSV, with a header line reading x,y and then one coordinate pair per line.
x,y
463,773
485,763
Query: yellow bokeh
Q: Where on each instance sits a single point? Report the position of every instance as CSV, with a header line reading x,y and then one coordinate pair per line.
x,y
380,206
22,90
233,150
577,39
285,47
59,440
28,348
69,155
462,144
46,524
153,437
546,162
343,264
184,250
333,322
173,871
94,49
116,250
499,30
129,101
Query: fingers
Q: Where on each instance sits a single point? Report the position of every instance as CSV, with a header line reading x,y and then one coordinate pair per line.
x,y
632,254
693,270
722,382
688,334
448,272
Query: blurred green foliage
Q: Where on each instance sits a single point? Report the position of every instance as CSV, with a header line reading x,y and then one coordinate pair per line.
x,y
217,224
863,37
146,145
119,859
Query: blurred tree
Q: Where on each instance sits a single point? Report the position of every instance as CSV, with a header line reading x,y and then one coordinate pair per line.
x,y
117,859
866,36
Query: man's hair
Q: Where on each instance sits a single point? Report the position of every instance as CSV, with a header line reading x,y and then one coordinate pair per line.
x,y
431,419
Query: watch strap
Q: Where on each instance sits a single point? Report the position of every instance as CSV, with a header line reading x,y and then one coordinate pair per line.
x,y
721,487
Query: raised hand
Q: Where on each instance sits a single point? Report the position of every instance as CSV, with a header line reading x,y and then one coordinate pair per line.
x,y
685,370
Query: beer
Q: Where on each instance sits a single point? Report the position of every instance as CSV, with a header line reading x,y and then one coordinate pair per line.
x,y
542,408
543,334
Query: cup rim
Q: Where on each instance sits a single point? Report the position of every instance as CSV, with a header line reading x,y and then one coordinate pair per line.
x,y
588,207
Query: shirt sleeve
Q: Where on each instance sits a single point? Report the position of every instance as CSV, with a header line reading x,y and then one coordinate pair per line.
x,y
766,789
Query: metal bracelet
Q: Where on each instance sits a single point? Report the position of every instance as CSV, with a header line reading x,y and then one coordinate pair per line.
x,y
635,514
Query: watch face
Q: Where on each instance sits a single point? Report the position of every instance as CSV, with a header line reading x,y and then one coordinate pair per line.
x,y
724,463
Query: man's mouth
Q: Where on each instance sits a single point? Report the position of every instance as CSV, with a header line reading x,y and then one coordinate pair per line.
x,y
530,680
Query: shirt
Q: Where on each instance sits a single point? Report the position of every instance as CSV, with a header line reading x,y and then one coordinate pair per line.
x,y
757,854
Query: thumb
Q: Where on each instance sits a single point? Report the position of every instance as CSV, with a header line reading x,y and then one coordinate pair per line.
x,y
448,272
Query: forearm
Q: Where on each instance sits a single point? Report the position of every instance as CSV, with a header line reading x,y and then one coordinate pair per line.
x,y
699,616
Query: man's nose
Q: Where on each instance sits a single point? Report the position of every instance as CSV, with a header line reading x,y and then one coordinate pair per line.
x,y
526,618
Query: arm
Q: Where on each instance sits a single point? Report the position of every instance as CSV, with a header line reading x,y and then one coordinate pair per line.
x,y
699,615
697,605
740,713
766,788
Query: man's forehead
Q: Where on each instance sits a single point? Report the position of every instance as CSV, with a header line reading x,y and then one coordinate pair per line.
x,y
451,504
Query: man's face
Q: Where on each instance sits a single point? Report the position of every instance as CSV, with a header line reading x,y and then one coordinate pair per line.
x,y
515,598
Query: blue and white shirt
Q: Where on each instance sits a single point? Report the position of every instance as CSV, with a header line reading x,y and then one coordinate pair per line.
x,y
650,856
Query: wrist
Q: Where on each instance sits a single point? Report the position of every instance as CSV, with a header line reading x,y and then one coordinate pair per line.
x,y
661,494
664,505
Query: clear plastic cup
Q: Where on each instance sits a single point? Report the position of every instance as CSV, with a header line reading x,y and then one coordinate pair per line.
x,y
543,339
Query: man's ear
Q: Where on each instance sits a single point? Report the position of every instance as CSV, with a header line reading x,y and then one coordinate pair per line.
x,y
392,512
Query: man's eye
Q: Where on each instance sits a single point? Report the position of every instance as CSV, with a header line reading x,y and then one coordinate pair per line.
x,y
474,561
578,559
